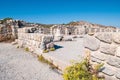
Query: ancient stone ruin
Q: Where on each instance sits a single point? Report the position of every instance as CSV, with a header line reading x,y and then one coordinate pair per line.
x,y
33,41
102,41
8,31
105,48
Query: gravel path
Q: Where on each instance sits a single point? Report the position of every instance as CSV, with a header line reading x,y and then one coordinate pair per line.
x,y
16,64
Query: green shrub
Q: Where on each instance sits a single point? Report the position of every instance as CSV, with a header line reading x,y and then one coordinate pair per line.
x,y
42,59
18,47
83,70
52,49
45,51
26,49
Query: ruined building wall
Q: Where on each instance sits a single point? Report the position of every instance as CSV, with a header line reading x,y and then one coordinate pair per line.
x,y
82,29
33,41
8,32
105,48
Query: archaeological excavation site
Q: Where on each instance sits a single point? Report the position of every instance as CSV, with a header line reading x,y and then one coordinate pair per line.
x,y
74,51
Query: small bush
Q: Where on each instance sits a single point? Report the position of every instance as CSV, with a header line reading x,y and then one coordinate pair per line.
x,y
45,51
18,47
83,71
26,49
52,49
42,59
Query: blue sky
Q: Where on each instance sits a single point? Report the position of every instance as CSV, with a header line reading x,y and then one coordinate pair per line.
x,y
106,12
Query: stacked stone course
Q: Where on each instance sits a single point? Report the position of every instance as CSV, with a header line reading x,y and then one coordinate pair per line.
x,y
34,41
105,48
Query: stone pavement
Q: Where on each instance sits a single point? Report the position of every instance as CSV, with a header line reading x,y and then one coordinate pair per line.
x,y
66,52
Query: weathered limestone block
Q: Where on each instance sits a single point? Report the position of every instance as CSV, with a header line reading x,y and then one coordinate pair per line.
x,y
118,51
42,46
116,38
27,42
35,37
67,38
95,60
57,38
37,44
99,55
40,38
31,36
110,77
108,71
114,61
117,75
25,37
20,43
105,37
91,43
50,45
47,39
28,36
108,49
33,42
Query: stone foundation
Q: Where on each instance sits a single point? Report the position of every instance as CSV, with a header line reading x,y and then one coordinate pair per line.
x,y
33,41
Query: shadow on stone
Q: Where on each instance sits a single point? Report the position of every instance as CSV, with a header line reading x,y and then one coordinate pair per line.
x,y
57,46
101,69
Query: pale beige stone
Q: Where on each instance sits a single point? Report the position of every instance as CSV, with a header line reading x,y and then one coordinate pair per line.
x,y
91,43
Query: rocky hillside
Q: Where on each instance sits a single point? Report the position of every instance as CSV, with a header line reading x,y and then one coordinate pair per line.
x,y
88,23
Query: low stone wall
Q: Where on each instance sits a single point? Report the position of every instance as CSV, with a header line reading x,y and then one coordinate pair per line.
x,y
34,41
105,48
8,33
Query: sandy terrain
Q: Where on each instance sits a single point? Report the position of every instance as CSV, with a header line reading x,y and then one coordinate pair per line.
x,y
16,64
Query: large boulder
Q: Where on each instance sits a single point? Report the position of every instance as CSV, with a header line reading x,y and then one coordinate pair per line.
x,y
42,46
117,74
108,49
114,61
47,39
99,55
116,38
118,51
50,45
108,71
68,38
58,38
91,43
105,37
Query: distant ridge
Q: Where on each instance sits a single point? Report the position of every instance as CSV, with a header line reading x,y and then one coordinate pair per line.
x,y
85,22
72,23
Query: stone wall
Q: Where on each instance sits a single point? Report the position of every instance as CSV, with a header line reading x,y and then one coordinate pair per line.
x,y
8,32
82,29
105,48
33,41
